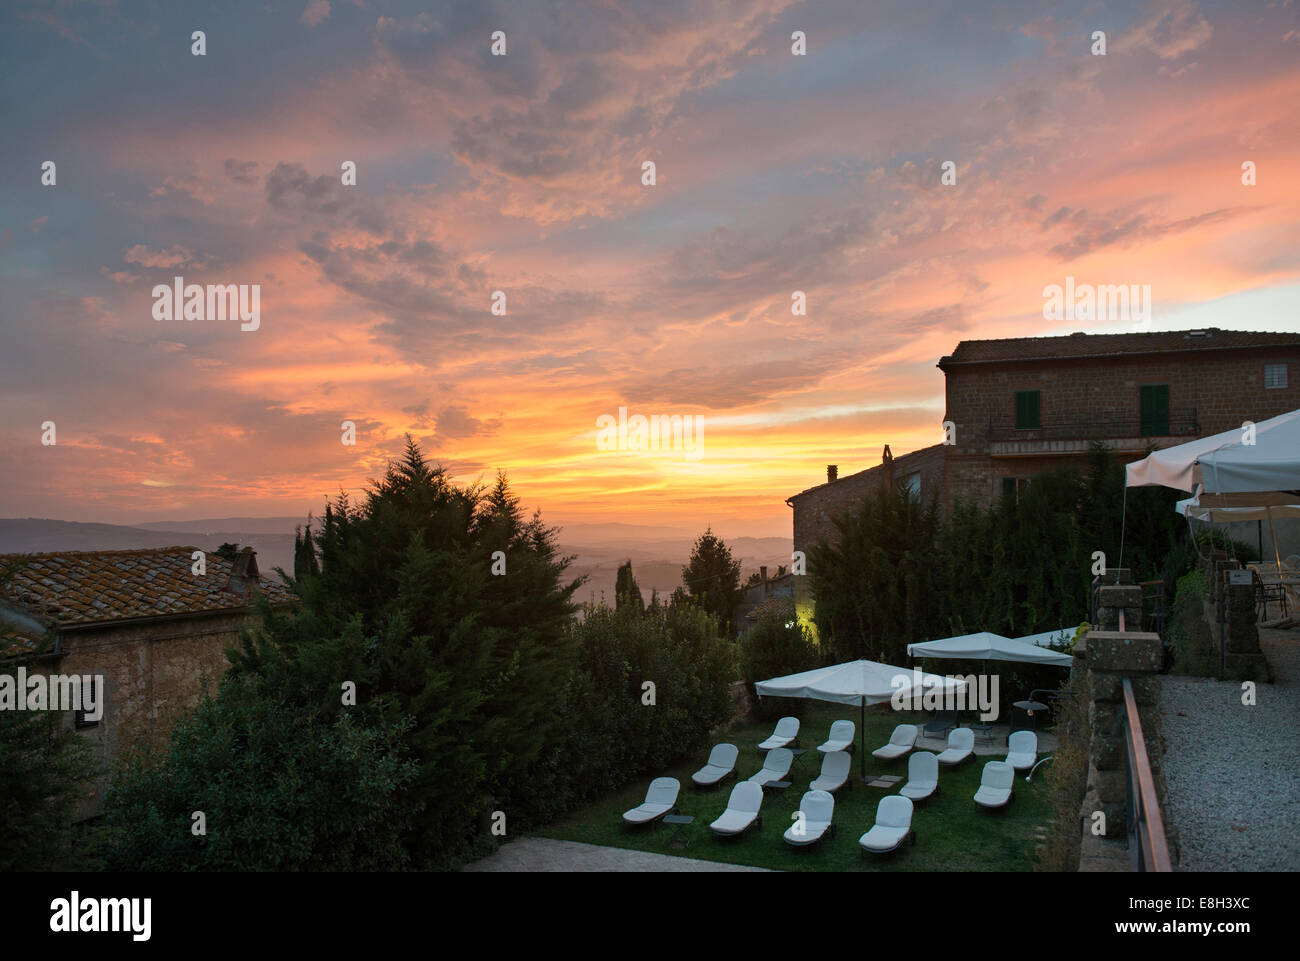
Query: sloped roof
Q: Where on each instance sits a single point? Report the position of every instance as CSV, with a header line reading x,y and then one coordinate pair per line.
x,y
68,588
1110,345
15,642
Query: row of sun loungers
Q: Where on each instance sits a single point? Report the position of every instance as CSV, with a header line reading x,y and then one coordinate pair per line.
x,y
787,733
893,824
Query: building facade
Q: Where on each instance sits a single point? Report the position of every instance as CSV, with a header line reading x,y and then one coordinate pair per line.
x,y
1020,406
154,630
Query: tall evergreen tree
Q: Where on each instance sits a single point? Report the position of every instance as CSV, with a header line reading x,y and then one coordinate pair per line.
x,y
627,593
407,605
712,578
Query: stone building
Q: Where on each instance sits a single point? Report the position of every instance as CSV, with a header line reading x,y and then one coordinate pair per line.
x,y
767,594
1023,405
154,630
1028,404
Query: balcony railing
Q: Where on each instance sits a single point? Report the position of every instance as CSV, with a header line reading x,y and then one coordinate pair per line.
x,y
1102,426
1146,825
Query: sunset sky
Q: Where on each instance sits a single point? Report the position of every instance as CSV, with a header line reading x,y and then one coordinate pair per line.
x,y
523,173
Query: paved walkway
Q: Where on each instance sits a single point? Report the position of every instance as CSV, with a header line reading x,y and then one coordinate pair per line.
x,y
544,854
1232,770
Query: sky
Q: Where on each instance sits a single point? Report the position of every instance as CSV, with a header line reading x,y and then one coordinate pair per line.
x,y
523,173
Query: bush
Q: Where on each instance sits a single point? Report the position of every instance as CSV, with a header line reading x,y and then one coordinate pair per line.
x,y
1067,778
280,788
776,645
612,734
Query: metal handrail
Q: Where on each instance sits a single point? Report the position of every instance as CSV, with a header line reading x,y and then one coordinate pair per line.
x,y
1146,825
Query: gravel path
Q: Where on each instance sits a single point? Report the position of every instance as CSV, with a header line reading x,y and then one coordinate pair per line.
x,y
544,854
1233,772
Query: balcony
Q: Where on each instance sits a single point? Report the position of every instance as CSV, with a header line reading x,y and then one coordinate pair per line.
x,y
1125,432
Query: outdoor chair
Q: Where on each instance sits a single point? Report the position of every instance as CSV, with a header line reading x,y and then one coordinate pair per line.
x,y
922,776
1268,593
943,721
775,767
840,738
961,745
900,742
660,799
1022,750
893,826
835,772
818,810
786,733
742,811
721,764
996,785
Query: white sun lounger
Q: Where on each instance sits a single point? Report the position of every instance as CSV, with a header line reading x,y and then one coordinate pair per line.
x,y
840,738
659,800
922,776
742,810
1022,750
900,742
835,772
995,785
787,729
818,809
775,767
722,761
961,745
893,826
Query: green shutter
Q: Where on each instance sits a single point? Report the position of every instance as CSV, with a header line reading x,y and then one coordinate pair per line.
x,y
1027,410
1154,410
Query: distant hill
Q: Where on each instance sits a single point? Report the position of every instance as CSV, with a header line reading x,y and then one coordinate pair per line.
x,y
657,553
35,535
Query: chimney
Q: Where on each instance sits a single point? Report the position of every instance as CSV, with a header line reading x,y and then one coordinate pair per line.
x,y
832,473
887,465
244,575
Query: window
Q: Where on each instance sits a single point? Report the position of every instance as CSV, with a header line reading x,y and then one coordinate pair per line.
x,y
1274,376
1012,487
912,484
1153,403
1027,410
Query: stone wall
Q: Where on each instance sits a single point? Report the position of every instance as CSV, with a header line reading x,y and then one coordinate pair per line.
x,y
1107,657
816,508
1224,386
154,672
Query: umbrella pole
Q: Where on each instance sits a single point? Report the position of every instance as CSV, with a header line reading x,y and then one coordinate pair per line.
x,y
862,738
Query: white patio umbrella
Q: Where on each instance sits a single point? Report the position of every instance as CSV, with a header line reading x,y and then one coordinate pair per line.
x,y
857,682
985,646
1226,464
1237,469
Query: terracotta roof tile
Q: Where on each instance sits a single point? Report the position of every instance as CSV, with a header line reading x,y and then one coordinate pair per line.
x,y
86,587
1107,345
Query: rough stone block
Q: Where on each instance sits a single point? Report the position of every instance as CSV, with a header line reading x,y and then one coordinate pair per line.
x,y
1130,652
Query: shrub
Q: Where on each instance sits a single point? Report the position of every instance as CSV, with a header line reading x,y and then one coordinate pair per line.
x,y
281,788
776,645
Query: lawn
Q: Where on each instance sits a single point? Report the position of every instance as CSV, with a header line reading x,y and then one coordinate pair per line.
x,y
952,833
